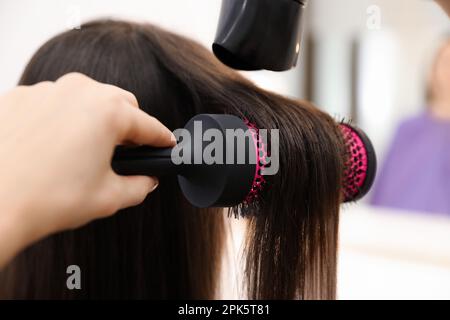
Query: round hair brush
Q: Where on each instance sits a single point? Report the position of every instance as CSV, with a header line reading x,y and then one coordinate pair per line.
x,y
238,178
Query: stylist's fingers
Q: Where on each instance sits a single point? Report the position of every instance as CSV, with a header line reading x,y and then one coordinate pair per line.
x,y
75,80
132,124
132,190
78,80
126,95
137,127
121,114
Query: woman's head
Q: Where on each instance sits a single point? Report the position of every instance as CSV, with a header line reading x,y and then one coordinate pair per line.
x,y
165,248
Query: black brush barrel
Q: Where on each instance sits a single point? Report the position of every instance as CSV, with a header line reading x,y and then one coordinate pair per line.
x,y
226,184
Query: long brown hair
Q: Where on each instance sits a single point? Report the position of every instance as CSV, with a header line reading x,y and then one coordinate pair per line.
x,y
165,248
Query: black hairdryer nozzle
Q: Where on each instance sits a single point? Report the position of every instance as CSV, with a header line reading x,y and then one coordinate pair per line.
x,y
259,34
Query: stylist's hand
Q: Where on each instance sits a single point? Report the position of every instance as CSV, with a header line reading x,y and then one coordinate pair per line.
x,y
56,144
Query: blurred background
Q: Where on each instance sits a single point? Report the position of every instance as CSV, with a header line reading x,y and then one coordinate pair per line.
x,y
369,61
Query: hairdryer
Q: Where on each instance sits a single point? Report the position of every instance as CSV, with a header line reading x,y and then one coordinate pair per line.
x,y
259,34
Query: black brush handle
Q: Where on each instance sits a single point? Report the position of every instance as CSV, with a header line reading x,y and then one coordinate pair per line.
x,y
144,160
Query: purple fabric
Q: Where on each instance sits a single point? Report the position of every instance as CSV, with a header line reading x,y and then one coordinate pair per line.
x,y
416,172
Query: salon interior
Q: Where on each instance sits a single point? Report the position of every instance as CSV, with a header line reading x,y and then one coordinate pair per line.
x,y
380,63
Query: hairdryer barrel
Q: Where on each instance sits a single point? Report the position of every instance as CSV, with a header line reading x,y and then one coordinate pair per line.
x,y
259,34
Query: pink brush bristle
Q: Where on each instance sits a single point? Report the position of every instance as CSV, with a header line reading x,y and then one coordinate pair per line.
x,y
360,163
261,162
250,204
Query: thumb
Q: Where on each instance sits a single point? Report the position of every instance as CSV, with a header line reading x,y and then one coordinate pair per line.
x,y
134,189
